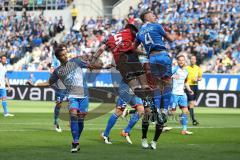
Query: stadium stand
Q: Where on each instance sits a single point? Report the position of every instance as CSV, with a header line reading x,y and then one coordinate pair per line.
x,y
195,25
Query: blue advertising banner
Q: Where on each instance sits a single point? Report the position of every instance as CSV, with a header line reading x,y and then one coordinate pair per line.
x,y
220,82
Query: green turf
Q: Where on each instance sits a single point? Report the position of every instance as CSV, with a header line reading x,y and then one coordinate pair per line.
x,y
30,135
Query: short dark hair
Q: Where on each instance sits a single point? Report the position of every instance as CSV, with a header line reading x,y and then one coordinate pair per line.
x,y
131,27
142,15
59,49
180,55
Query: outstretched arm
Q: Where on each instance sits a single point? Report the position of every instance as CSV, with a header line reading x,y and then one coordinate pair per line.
x,y
43,84
169,37
99,52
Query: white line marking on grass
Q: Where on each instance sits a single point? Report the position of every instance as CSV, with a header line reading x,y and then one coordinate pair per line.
x,y
99,129
103,125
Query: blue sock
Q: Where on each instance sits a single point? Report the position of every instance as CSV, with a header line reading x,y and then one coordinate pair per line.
x,y
111,122
184,121
80,126
132,122
56,114
74,128
4,104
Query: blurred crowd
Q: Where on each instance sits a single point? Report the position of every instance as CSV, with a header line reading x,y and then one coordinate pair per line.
x,y
23,34
209,29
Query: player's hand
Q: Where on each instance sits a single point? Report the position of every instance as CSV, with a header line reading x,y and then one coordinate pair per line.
x,y
29,83
191,92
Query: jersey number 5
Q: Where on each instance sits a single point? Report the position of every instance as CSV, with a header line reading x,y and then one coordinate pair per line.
x,y
148,39
118,38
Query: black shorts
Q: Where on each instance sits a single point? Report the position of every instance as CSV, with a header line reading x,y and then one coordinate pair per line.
x,y
193,97
129,66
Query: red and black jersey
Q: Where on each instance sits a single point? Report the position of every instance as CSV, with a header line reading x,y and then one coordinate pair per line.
x,y
120,42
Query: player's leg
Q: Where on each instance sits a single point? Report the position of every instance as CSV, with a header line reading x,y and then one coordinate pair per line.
x,y
57,111
166,102
145,125
113,119
136,103
182,101
74,109
160,118
191,105
3,96
56,116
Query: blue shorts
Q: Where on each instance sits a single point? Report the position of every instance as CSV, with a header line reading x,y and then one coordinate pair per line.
x,y
3,93
80,104
126,95
161,64
60,95
179,100
163,101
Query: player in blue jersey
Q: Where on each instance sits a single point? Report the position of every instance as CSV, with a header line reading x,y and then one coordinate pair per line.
x,y
179,97
71,74
151,36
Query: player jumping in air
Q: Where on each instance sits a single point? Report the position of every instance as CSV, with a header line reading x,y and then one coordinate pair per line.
x,y
71,74
151,36
179,97
128,64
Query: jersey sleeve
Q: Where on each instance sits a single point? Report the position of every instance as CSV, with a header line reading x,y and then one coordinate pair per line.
x,y
160,29
174,69
200,72
53,78
80,63
138,39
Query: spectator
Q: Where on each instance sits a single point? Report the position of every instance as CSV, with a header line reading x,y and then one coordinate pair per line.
x,y
74,13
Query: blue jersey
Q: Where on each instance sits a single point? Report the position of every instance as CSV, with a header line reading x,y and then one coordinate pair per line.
x,y
72,76
180,75
151,36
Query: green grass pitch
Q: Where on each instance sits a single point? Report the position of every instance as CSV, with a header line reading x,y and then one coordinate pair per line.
x,y
30,136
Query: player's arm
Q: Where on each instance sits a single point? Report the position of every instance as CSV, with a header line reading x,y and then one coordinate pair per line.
x,y
169,37
99,52
199,74
53,79
7,82
165,34
43,84
188,88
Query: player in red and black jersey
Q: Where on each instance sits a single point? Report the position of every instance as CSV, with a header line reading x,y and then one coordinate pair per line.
x,y
121,45
125,54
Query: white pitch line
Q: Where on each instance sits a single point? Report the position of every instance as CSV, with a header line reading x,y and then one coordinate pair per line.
x,y
99,129
94,124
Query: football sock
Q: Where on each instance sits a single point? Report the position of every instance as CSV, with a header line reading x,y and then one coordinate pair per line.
x,y
158,131
134,118
111,122
184,121
80,126
4,104
56,114
192,114
145,125
74,128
